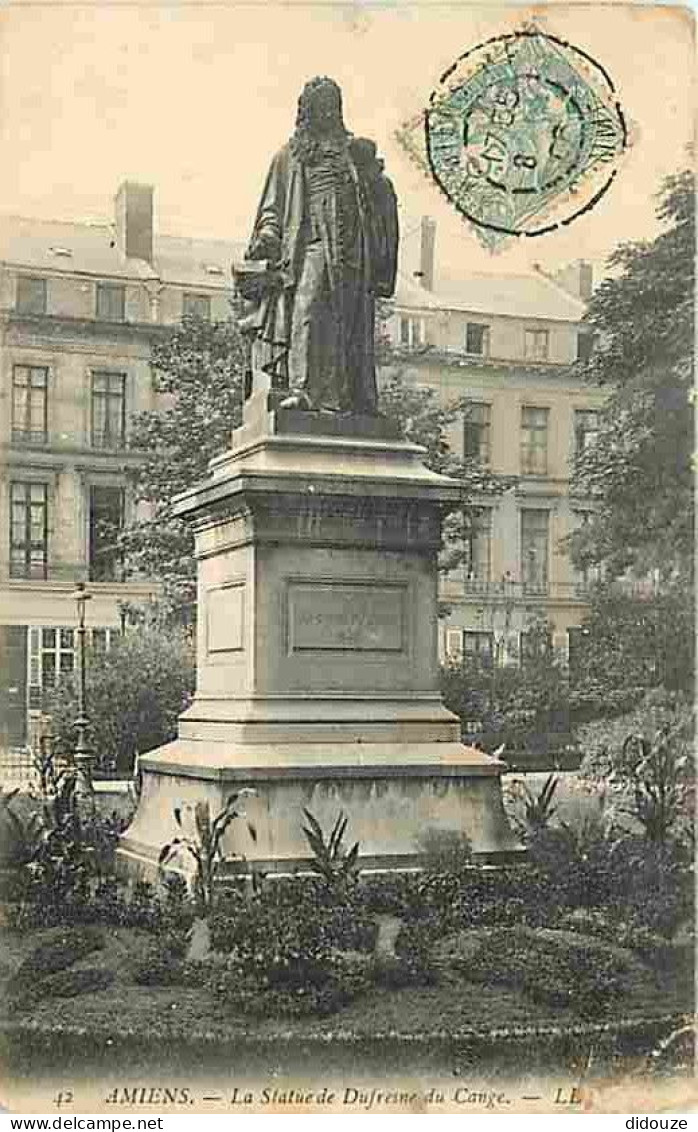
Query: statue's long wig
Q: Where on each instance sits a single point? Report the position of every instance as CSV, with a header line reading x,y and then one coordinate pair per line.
x,y
319,116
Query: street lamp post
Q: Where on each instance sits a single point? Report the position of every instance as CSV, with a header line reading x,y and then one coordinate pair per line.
x,y
499,640
83,751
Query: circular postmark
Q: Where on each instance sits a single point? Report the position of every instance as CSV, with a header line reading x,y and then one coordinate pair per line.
x,y
523,134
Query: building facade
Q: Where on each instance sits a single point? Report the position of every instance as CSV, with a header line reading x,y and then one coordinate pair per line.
x,y
80,307
504,346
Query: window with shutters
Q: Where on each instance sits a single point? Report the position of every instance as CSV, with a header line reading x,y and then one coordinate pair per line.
x,y
534,441
478,549
28,530
477,432
29,404
53,653
57,655
478,646
454,645
586,430
108,409
13,686
535,549
106,522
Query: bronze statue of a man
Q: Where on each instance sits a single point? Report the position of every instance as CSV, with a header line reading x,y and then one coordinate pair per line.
x,y
327,228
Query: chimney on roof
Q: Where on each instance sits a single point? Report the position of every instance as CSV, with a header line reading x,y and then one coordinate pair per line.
x,y
134,220
426,253
586,279
577,278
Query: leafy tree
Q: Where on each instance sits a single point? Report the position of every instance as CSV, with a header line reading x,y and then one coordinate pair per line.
x,y
638,471
424,419
135,694
199,370
629,645
523,707
639,468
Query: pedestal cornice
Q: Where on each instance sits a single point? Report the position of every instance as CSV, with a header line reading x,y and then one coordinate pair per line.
x,y
317,662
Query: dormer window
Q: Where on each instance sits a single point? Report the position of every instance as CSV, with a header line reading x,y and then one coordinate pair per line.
x,y
412,334
477,339
585,345
111,301
31,294
536,345
196,306
477,432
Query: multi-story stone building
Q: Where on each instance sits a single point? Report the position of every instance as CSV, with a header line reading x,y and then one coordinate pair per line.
x,y
80,306
504,345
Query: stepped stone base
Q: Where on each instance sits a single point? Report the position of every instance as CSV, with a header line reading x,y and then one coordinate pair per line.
x,y
317,680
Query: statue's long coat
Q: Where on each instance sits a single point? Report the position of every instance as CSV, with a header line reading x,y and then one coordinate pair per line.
x,y
282,215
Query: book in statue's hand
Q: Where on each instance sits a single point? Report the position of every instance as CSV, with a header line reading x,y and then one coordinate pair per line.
x,y
254,276
250,266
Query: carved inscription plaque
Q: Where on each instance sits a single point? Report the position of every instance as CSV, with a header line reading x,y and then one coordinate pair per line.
x,y
346,617
224,618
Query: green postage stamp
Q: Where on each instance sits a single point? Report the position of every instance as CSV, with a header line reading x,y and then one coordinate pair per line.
x,y
523,133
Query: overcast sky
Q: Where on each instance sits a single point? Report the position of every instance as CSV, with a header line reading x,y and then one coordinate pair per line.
x,y
195,98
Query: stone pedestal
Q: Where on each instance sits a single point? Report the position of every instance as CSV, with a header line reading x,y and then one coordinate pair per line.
x,y
317,679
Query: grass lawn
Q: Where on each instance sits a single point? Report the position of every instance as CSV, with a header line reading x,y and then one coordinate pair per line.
x,y
161,1025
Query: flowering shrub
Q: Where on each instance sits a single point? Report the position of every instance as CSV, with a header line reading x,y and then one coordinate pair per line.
x,y
554,968
292,948
60,949
645,759
290,911
161,964
320,988
627,933
61,984
136,692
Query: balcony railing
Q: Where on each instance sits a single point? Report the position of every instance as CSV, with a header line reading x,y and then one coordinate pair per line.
x,y
536,587
29,437
113,441
477,585
71,572
506,589
35,570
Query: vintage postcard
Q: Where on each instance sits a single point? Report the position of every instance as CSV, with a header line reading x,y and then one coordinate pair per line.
x,y
346,579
